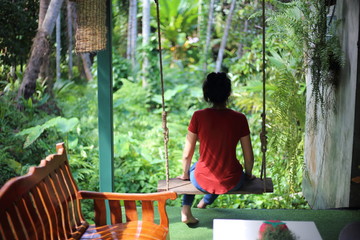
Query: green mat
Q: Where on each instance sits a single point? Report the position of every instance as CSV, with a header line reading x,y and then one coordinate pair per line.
x,y
328,222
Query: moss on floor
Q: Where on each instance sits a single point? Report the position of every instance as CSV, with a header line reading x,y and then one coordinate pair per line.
x,y
328,222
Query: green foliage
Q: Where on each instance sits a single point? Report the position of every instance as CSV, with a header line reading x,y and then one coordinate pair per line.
x,y
8,169
278,234
178,19
178,24
285,109
138,138
16,35
14,159
61,124
309,26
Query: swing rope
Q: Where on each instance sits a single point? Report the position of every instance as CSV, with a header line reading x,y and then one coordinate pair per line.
x,y
263,137
164,114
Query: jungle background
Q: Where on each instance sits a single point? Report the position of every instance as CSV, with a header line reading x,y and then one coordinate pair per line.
x,y
199,36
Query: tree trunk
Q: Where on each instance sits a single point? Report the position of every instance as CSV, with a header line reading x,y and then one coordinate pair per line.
x,y
208,33
146,40
129,26
225,36
39,47
200,19
44,69
85,57
240,51
44,4
58,47
132,32
70,9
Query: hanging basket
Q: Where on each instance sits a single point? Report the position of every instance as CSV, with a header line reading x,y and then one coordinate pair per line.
x,y
91,26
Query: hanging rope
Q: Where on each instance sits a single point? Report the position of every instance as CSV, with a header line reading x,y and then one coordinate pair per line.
x,y
164,114
263,137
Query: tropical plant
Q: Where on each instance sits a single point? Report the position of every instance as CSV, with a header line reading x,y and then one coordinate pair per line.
x,y
61,124
138,147
16,36
178,24
309,26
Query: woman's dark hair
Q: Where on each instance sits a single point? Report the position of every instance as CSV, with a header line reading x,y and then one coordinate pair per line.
x,y
216,88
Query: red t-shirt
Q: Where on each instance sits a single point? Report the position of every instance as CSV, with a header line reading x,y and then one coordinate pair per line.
x,y
219,131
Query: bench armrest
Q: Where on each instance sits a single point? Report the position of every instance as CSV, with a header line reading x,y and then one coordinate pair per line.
x,y
127,196
129,199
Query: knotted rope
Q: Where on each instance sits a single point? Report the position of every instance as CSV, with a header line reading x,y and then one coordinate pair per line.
x,y
263,137
164,113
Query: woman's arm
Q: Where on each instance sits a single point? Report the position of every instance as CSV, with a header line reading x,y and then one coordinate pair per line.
x,y
248,155
188,153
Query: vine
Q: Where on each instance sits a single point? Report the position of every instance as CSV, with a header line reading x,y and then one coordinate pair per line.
x,y
313,25
324,52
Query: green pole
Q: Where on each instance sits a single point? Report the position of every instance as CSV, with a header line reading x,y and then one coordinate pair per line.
x,y
105,111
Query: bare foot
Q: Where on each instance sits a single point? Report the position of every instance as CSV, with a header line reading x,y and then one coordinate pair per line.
x,y
187,217
202,204
192,220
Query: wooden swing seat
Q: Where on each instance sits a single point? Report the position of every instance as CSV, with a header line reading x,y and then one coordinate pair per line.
x,y
179,186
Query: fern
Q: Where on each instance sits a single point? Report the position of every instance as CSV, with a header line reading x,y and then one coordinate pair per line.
x,y
305,23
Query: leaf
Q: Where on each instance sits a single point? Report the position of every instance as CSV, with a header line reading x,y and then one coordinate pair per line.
x,y
124,149
157,99
34,134
16,166
62,125
66,125
73,141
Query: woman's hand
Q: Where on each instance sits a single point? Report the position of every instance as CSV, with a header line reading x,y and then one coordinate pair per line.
x,y
249,177
184,177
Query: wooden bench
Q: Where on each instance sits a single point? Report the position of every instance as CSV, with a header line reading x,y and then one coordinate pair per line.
x,y
45,204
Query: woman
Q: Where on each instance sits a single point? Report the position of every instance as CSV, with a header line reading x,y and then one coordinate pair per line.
x,y
218,130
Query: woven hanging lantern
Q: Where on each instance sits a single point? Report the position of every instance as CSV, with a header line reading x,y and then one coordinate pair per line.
x,y
91,26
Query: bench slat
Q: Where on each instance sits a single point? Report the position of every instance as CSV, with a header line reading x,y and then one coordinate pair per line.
x,y
130,210
5,227
34,223
70,212
147,211
16,223
127,231
35,215
27,218
164,220
51,203
62,206
115,209
76,207
46,222
100,212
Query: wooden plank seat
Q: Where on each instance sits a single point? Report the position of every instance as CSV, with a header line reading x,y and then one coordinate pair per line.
x,y
179,186
45,204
